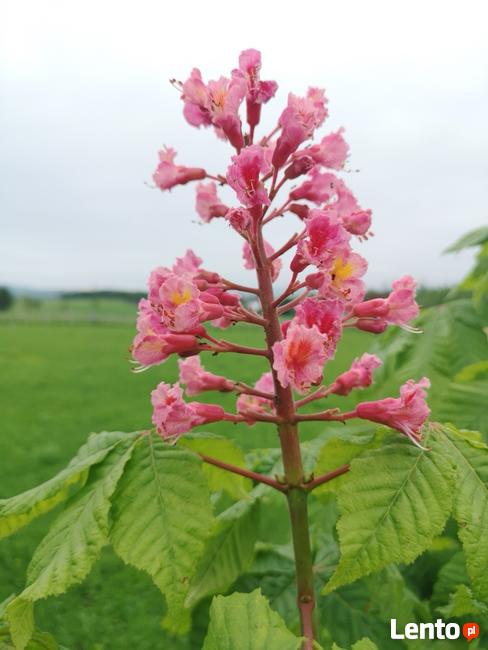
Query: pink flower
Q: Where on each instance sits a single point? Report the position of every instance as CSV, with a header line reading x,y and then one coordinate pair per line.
x,y
249,262
358,223
196,97
226,96
360,375
208,204
216,103
197,380
167,174
402,306
342,279
407,413
399,308
300,357
319,188
325,240
326,315
258,92
240,219
298,167
189,263
154,343
185,306
243,176
298,122
172,416
256,403
332,151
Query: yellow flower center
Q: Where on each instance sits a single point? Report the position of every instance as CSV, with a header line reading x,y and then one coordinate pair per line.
x,y
180,297
341,271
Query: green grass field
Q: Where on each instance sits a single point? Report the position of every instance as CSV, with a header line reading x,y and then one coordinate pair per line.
x,y
59,382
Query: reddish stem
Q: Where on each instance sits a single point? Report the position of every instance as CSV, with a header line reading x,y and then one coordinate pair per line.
x,y
240,287
289,244
254,476
325,478
332,415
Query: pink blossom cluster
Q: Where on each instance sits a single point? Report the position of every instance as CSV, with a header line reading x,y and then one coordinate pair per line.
x,y
325,287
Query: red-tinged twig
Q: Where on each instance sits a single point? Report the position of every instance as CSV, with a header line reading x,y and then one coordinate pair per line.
x,y
332,415
219,178
325,478
286,247
278,212
320,393
291,288
267,138
293,303
243,388
254,476
240,287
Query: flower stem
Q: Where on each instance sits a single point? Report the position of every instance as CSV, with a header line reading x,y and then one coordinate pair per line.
x,y
254,476
290,450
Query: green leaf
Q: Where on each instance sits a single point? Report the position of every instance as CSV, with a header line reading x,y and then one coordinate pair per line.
x,y
465,404
470,502
273,571
20,617
450,575
161,518
397,499
66,554
463,603
246,622
229,551
472,238
19,510
340,450
223,449
477,370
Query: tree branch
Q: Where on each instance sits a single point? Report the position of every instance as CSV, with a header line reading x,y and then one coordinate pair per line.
x,y
254,476
325,478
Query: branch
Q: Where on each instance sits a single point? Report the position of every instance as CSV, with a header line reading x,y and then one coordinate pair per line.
x,y
254,476
322,391
289,244
244,389
331,415
293,303
240,287
325,478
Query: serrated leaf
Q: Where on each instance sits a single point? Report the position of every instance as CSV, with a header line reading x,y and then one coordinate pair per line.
x,y
229,551
223,449
340,450
246,622
20,618
19,510
471,502
397,499
477,370
161,518
73,543
463,603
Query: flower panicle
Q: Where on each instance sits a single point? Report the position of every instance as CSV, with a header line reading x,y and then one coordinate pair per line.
x,y
325,290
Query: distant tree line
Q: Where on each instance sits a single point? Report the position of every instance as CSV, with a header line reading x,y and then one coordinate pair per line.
x,y
6,299
128,296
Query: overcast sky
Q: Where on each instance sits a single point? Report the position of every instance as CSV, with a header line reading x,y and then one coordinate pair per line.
x,y
85,106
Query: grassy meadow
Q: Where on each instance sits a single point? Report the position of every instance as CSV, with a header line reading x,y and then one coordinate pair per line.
x,y
60,381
